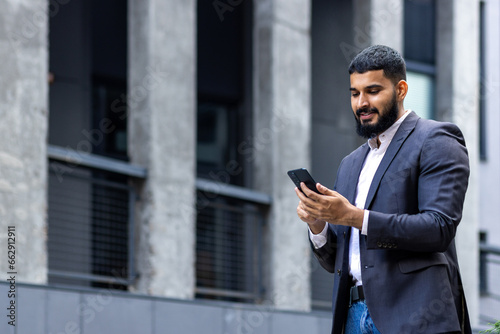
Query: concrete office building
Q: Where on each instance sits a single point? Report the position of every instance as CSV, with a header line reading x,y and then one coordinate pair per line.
x,y
489,194
146,145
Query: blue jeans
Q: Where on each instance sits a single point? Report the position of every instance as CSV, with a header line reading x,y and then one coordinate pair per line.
x,y
359,320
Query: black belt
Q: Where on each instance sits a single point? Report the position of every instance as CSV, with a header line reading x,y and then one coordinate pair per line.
x,y
356,294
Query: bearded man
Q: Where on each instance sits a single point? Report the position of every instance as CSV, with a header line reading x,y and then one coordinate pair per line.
x,y
386,230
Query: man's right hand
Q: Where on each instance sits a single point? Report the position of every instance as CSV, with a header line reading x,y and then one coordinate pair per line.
x,y
315,225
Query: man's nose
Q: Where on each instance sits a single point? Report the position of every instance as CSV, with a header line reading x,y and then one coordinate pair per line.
x,y
362,101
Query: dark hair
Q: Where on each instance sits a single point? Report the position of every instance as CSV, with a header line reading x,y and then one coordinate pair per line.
x,y
380,57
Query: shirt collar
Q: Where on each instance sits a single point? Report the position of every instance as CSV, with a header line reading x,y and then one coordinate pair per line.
x,y
387,135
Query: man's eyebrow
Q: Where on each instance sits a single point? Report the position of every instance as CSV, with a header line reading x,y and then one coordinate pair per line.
x,y
368,87
374,86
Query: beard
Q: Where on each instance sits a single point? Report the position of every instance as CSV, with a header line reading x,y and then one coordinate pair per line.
x,y
386,119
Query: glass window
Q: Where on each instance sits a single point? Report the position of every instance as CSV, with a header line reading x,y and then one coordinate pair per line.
x,y
88,60
420,55
420,97
228,230
420,30
90,211
224,59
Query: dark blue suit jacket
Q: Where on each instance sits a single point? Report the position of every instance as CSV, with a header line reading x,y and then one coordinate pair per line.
x,y
408,259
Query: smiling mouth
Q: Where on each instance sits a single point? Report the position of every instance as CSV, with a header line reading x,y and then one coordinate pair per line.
x,y
366,115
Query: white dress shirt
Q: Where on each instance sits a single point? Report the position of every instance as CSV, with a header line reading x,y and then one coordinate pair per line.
x,y
370,166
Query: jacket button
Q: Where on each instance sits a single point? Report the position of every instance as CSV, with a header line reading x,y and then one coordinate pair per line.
x,y
339,272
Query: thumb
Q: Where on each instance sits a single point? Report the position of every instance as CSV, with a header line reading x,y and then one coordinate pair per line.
x,y
324,190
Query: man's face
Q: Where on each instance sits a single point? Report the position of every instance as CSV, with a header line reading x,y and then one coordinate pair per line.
x,y
374,102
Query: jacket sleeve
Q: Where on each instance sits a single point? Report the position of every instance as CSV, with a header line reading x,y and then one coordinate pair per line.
x,y
326,254
442,173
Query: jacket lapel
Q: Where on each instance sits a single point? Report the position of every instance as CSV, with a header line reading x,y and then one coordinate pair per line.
x,y
350,194
399,138
356,167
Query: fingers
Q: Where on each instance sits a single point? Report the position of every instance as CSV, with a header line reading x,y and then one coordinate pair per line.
x,y
303,196
309,193
305,215
325,191
314,206
305,203
328,206
309,211
307,199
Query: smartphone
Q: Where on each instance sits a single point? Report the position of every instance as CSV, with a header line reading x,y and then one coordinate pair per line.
x,y
302,175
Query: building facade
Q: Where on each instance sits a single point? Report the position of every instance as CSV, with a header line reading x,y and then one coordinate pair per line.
x,y
489,160
147,144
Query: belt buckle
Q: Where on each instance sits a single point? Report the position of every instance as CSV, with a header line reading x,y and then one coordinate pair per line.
x,y
353,295
356,293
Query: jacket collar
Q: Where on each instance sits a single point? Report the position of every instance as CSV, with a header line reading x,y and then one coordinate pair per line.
x,y
360,155
399,138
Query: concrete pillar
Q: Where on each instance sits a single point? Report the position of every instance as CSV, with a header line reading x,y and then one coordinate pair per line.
x,y
282,122
162,105
333,135
457,101
378,22
490,178
23,133
488,173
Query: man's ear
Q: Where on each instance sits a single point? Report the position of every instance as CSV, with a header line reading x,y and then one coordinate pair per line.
x,y
401,90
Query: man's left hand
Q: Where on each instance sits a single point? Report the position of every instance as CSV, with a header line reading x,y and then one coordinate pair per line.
x,y
330,206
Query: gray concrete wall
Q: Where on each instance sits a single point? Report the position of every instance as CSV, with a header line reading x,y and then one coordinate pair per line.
x,y
457,101
161,137
332,124
387,18
45,310
23,133
489,177
379,22
282,140
333,135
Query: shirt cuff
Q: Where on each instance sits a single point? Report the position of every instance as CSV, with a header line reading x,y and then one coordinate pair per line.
x,y
319,240
364,228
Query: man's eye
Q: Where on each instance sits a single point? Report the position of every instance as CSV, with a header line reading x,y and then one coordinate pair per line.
x,y
354,94
373,92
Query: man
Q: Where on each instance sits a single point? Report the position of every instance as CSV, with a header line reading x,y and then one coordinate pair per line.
x,y
386,231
